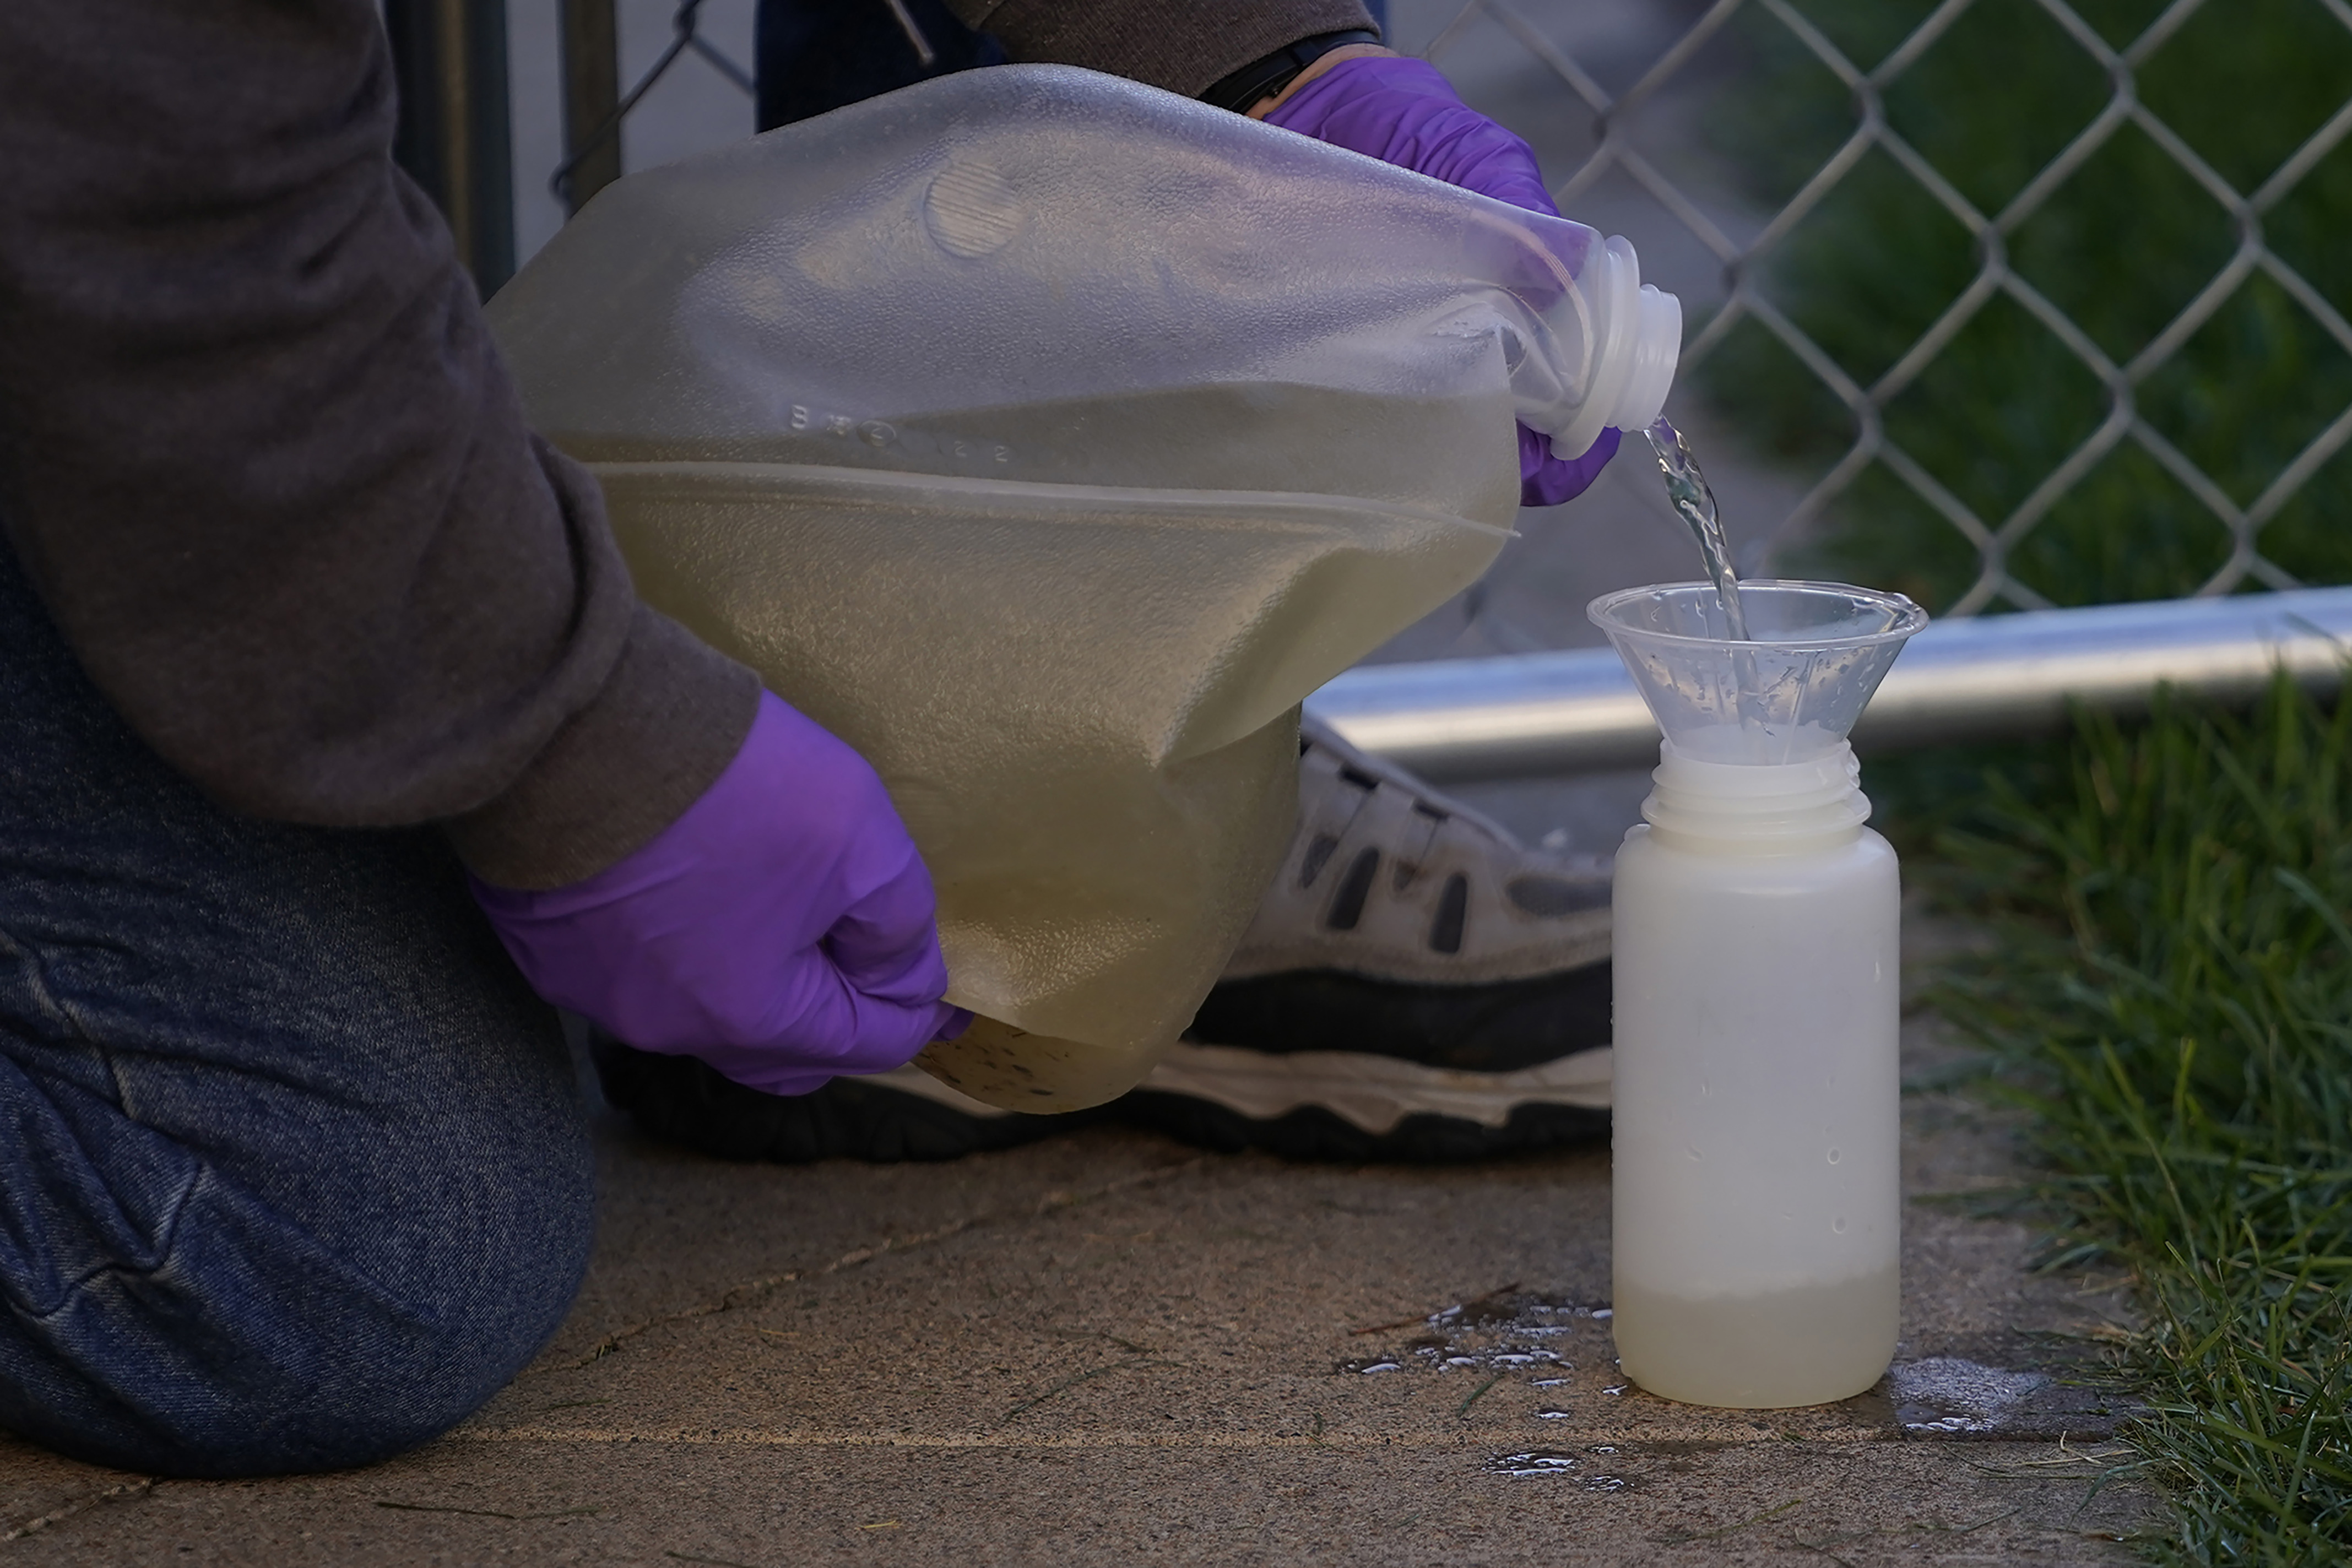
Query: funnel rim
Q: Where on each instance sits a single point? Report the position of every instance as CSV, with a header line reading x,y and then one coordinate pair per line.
x,y
1911,618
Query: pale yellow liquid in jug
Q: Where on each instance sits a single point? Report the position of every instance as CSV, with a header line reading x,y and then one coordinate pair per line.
x,y
1083,692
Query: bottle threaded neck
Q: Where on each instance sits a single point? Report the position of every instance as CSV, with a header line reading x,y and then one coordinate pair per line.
x,y
1758,808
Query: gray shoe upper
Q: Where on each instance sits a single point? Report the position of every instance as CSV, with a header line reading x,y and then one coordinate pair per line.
x,y
1388,878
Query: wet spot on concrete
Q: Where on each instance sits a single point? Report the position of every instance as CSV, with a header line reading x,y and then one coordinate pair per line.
x,y
1453,1358
1949,1397
1509,1307
1534,1462
1501,1331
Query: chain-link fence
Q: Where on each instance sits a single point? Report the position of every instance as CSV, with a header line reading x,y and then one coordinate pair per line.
x,y
1625,100
593,132
1748,270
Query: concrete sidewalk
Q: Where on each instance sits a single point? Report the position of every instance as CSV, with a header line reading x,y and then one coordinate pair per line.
x,y
1107,1347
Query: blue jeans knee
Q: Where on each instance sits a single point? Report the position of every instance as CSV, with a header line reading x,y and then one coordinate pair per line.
x,y
293,1167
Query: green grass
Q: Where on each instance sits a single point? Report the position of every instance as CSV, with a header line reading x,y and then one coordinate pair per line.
x,y
2173,993
2120,248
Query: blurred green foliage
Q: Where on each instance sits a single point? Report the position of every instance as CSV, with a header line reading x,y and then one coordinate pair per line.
x,y
2121,246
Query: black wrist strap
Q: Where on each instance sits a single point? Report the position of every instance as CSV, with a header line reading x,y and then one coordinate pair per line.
x,y
1263,78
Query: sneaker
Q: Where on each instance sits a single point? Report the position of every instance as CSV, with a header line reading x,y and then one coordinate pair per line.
x,y
904,1114
1417,985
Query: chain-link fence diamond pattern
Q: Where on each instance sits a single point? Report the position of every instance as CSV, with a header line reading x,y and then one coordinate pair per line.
x,y
1746,269
685,38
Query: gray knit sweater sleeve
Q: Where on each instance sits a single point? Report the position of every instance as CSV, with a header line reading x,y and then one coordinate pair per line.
x,y
260,457
1183,48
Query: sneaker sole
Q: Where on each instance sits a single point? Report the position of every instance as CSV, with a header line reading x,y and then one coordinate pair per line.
x,y
1315,1135
1374,1093
1489,1031
896,1116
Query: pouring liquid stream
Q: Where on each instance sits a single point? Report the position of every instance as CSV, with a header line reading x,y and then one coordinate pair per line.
x,y
1694,502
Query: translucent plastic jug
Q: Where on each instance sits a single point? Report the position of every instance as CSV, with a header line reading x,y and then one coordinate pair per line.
x,y
1049,438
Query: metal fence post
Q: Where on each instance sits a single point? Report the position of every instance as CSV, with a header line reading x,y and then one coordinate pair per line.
x,y
451,59
591,92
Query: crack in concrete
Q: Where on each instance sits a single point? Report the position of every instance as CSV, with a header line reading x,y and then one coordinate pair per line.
x,y
1132,1363
752,1291
123,1492
755,1437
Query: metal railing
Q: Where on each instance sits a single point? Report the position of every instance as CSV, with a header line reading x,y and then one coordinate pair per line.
x,y
1970,678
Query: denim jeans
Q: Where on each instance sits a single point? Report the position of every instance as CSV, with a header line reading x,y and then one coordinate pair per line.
x,y
293,1169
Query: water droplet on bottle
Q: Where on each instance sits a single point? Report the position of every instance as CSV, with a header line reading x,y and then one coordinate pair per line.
x,y
1838,1225
1702,1088
1834,1156
1692,1152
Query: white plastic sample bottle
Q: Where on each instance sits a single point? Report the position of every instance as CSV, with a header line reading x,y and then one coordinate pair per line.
x,y
1757,1189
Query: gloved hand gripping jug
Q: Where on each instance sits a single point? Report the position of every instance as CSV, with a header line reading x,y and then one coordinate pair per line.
x,y
1049,438
1757,1188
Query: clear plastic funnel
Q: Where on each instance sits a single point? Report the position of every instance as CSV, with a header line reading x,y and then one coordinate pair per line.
x,y
1791,693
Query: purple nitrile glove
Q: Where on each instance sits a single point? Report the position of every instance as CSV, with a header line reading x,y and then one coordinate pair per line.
x,y
1546,481
782,929
1405,112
